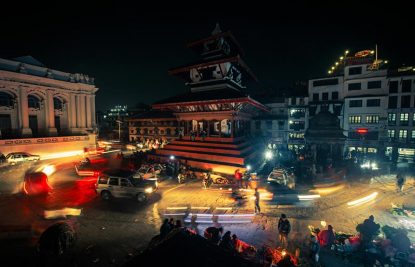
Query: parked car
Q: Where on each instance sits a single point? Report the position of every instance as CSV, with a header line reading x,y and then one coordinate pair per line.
x,y
17,157
36,183
282,176
150,171
122,184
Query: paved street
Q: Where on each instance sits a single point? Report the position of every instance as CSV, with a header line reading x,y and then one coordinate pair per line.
x,y
111,232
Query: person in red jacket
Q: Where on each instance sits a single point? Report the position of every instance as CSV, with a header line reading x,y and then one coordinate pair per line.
x,y
238,178
326,237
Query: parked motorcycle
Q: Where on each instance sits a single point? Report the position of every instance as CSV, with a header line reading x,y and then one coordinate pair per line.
x,y
207,181
181,178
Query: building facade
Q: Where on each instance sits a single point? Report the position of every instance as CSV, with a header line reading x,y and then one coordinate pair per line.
x,y
401,114
153,124
37,102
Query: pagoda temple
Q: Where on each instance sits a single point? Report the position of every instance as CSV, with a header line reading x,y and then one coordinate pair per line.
x,y
213,117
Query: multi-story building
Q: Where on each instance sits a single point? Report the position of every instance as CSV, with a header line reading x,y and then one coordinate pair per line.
x,y
153,124
38,102
401,114
272,126
365,103
375,105
326,94
297,122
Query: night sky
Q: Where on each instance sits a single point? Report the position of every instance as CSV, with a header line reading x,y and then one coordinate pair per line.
x,y
129,48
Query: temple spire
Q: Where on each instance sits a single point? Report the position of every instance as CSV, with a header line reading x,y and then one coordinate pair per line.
x,y
217,29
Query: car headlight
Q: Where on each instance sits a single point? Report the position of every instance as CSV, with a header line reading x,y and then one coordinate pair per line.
x,y
148,190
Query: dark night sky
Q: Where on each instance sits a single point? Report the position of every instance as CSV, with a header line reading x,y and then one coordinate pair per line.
x,y
128,49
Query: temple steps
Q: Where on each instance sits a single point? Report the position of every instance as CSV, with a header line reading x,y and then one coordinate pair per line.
x,y
216,155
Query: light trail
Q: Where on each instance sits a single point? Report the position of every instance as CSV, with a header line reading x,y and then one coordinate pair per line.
x,y
308,197
63,154
362,200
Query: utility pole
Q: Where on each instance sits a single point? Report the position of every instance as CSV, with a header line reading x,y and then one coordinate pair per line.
x,y
119,129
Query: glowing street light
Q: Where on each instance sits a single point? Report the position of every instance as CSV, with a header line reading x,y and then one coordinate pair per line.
x,y
337,63
341,58
172,157
248,167
346,52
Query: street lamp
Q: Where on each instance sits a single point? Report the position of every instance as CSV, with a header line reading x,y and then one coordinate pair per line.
x,y
172,157
268,155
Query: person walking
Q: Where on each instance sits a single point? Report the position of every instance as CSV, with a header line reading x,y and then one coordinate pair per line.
x,y
314,250
165,228
284,229
400,181
257,199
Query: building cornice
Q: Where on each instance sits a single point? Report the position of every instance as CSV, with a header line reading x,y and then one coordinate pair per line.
x,y
47,83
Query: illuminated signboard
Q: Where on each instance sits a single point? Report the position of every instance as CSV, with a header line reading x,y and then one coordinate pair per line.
x,y
363,53
362,130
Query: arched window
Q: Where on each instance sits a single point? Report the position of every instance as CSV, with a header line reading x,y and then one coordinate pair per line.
x,y
57,103
33,102
6,100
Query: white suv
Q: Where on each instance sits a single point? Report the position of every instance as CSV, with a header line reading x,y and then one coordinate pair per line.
x,y
17,157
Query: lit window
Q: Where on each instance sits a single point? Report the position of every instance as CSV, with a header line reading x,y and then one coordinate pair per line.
x,y
391,118
404,119
372,119
391,133
354,119
403,134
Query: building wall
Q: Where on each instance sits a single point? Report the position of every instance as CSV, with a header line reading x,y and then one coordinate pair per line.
x,y
22,86
401,118
143,129
49,147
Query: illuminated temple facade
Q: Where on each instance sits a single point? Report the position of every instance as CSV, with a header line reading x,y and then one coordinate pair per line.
x,y
215,108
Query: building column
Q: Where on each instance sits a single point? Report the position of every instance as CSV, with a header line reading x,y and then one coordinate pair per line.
x,y
73,108
78,112
88,112
50,114
92,100
83,111
25,131
208,128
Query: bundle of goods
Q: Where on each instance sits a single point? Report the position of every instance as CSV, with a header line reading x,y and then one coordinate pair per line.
x,y
246,250
400,210
276,255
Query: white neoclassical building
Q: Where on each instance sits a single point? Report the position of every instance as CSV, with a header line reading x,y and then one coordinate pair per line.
x,y
39,102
